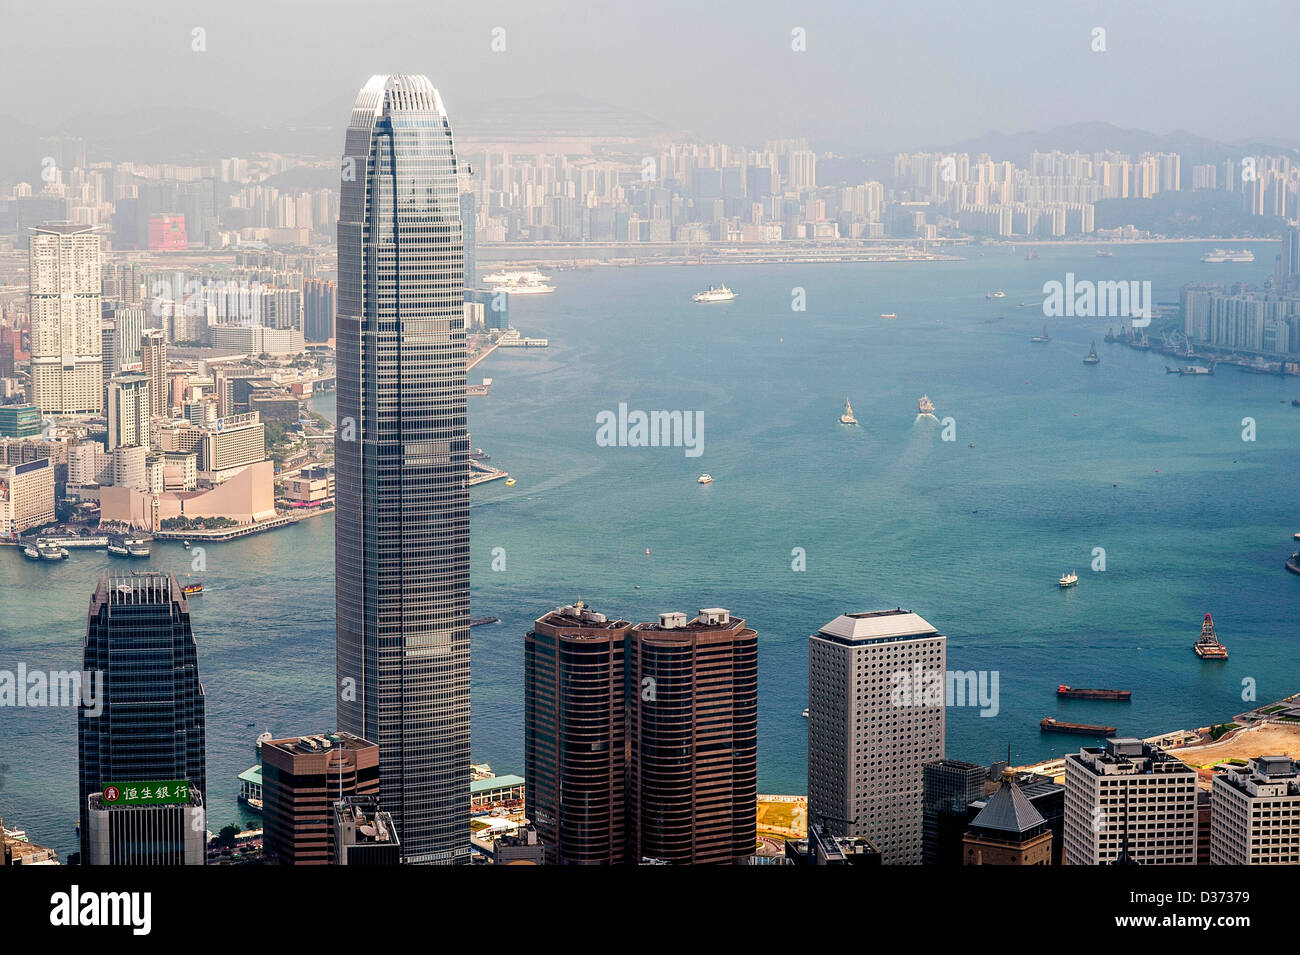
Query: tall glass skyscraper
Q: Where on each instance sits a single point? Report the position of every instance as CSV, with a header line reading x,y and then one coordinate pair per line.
x,y
402,463
146,726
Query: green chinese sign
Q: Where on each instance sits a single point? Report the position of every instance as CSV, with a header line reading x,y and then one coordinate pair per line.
x,y
160,793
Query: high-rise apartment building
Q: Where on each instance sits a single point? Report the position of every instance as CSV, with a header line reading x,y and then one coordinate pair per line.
x,y
153,362
26,496
692,784
1129,798
67,346
129,409
575,730
1255,813
875,718
402,463
146,726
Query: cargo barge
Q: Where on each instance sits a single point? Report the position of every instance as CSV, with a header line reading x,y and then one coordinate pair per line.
x,y
1078,693
1050,725
1208,646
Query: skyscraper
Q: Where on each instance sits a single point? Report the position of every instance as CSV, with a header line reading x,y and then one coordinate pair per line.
x,y
875,718
147,725
575,726
402,463
153,362
128,409
692,783
67,345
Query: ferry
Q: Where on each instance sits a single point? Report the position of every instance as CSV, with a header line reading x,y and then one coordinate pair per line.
x,y
1068,580
889,316
715,293
1091,358
1208,646
1043,337
998,294
924,407
117,547
705,478
44,550
847,417
137,547
532,275
1229,255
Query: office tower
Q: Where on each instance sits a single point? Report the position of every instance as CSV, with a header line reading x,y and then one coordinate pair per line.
x,y
1255,813
20,421
108,349
402,512
128,409
692,783
876,695
948,787
147,725
1008,831
153,362
67,347
1129,798
26,496
363,835
574,734
521,847
302,778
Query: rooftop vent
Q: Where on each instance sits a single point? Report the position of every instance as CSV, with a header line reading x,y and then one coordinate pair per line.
x,y
672,621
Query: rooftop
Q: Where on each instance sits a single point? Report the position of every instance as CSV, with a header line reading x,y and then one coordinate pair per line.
x,y
877,625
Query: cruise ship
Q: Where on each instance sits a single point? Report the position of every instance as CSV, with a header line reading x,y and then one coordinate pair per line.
x,y
1229,255
715,293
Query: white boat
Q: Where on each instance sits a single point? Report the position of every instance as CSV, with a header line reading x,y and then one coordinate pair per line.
x,y
137,546
705,478
1043,337
118,548
924,407
1068,580
1229,255
889,316
805,712
715,293
998,294
847,417
532,276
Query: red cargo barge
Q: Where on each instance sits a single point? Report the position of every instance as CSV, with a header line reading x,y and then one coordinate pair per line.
x,y
1050,725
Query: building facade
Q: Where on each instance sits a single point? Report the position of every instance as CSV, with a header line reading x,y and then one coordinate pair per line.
x,y
1255,813
1129,799
870,731
692,783
402,463
575,732
149,723
303,777
64,273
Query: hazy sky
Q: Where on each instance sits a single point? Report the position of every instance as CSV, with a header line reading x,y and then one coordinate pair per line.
x,y
876,75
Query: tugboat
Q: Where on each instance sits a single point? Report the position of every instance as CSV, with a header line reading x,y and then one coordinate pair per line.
x,y
1208,646
1068,580
846,418
1043,337
924,407
1091,358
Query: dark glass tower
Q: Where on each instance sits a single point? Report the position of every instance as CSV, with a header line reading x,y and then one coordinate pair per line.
x,y
151,726
402,464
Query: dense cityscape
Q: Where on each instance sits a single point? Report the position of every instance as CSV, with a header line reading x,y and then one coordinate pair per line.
x,y
236,384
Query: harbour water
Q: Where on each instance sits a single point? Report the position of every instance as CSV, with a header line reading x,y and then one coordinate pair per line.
x,y
1067,458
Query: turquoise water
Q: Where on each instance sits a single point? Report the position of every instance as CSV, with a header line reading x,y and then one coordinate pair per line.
x,y
1067,458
